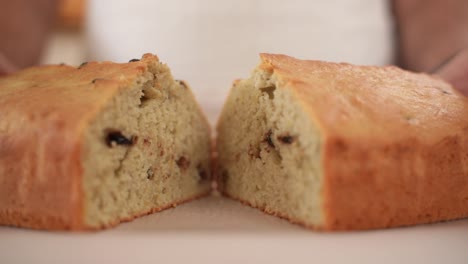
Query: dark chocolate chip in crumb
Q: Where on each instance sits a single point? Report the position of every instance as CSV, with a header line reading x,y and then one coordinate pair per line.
x,y
183,163
286,139
268,139
117,138
150,173
269,90
82,65
133,60
143,98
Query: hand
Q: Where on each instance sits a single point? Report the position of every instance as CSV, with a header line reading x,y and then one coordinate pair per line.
x,y
429,31
455,71
24,27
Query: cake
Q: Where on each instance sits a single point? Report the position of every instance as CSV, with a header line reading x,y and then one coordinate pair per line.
x,y
334,146
88,147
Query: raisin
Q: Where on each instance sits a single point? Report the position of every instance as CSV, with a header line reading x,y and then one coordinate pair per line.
x,y
183,163
268,139
133,60
287,139
143,98
269,90
116,138
82,65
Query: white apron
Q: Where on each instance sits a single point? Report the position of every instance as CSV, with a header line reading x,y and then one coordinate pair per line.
x,y
209,43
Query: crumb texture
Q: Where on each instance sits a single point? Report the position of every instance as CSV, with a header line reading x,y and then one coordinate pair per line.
x,y
148,149
269,150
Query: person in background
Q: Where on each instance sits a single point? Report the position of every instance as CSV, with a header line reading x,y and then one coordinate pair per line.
x,y
432,35
24,28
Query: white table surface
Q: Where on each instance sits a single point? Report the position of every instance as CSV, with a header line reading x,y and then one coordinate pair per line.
x,y
219,230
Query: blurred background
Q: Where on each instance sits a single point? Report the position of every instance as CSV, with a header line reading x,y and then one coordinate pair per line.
x,y
210,43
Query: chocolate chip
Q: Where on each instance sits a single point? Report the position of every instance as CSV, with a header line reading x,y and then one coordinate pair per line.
x,y
62,64
183,163
150,173
287,139
269,90
82,65
268,139
116,138
143,98
133,60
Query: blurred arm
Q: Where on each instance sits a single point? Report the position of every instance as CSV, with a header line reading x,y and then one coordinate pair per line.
x,y
433,37
24,26
430,31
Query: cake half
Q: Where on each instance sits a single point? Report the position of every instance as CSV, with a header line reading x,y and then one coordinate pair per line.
x,y
89,147
342,147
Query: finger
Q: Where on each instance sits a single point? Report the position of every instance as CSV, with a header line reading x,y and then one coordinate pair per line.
x,y
455,71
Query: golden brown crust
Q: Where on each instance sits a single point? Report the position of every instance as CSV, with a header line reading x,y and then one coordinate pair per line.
x,y
312,227
44,112
394,184
394,143
16,219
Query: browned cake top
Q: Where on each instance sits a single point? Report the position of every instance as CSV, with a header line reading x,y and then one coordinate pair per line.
x,y
386,103
63,95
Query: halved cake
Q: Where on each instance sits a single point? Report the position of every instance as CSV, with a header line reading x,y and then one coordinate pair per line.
x,y
89,147
340,147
